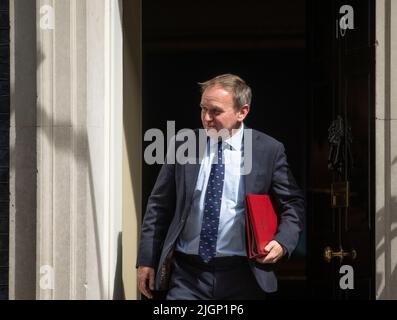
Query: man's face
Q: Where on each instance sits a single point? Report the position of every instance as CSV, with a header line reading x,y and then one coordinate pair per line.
x,y
218,112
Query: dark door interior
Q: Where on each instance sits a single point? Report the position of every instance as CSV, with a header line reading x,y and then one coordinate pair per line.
x,y
302,78
341,149
261,41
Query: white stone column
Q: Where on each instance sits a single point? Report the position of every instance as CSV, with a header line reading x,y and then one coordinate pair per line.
x,y
386,149
79,121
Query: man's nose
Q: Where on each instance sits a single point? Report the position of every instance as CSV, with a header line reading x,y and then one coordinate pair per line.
x,y
207,116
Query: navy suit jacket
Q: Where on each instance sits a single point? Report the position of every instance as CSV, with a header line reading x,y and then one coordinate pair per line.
x,y
171,199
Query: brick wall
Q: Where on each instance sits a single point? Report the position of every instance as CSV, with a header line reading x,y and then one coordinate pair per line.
x,y
4,145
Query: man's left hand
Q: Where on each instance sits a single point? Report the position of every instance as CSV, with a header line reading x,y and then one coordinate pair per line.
x,y
275,253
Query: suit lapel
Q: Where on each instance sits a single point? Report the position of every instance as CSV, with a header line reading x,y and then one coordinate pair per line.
x,y
192,170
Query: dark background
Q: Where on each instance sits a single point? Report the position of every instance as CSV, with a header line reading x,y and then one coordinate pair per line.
x,y
264,42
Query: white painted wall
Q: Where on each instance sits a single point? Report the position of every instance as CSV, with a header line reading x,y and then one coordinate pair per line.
x,y
79,149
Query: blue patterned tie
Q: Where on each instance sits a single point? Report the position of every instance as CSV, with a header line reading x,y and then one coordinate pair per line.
x,y
212,208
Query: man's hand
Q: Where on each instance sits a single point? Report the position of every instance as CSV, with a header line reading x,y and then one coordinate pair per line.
x,y
275,253
146,281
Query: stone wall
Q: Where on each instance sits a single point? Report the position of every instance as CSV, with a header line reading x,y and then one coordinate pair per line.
x,y
4,145
386,149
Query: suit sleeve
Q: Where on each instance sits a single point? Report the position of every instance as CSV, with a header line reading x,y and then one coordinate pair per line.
x,y
159,212
291,202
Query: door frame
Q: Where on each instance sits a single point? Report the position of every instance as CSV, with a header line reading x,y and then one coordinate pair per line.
x,y
385,150
385,147
131,143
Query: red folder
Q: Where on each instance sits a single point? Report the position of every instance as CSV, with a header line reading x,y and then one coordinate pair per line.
x,y
261,222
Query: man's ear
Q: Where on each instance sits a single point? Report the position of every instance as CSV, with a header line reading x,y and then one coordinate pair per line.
x,y
245,109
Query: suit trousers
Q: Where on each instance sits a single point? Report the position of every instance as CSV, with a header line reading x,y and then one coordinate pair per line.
x,y
223,278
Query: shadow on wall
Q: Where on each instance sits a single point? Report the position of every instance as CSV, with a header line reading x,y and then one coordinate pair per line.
x,y
83,159
118,293
132,127
23,168
79,138
383,248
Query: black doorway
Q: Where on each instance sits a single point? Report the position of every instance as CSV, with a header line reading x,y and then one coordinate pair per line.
x,y
341,121
264,42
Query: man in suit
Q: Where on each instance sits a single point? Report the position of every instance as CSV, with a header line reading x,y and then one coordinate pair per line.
x,y
193,240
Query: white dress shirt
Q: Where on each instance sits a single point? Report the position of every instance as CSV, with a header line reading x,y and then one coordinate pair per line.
x,y
231,232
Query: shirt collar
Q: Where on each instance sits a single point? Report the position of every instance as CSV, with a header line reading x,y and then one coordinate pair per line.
x,y
235,141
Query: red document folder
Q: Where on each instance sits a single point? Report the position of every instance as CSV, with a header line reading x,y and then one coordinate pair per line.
x,y
261,221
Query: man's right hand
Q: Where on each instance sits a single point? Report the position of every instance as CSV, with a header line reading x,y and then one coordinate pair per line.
x,y
146,281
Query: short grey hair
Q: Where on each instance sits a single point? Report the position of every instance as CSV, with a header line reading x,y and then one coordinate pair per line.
x,y
242,93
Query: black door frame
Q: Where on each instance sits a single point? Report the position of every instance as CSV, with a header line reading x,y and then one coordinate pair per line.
x,y
332,59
